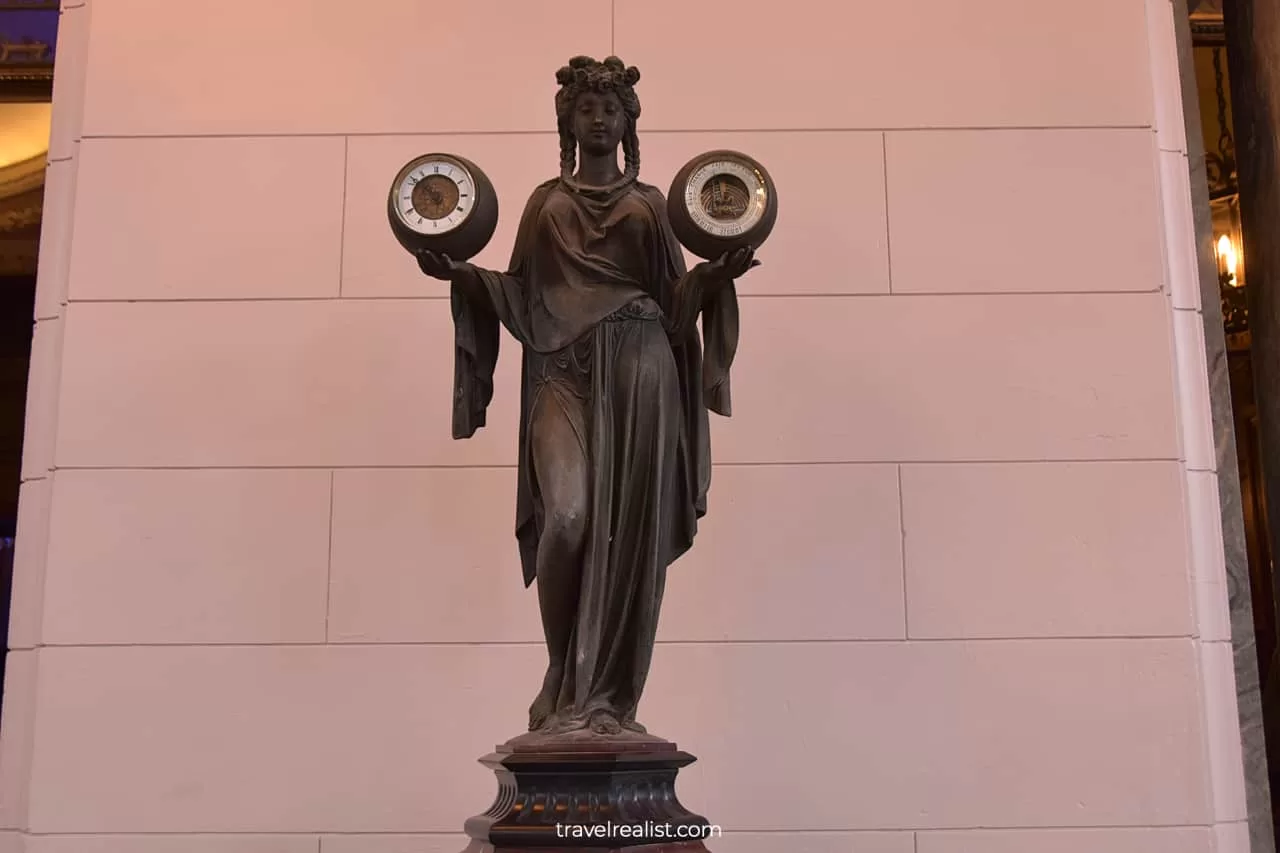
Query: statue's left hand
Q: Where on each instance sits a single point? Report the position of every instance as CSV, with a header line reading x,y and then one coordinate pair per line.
x,y
734,264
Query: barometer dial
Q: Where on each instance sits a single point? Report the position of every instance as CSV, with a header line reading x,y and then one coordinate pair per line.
x,y
721,201
725,198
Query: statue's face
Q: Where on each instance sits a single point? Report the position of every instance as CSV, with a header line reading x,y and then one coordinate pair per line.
x,y
598,122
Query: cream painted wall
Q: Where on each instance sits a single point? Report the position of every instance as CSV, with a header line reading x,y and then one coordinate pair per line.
x,y
958,590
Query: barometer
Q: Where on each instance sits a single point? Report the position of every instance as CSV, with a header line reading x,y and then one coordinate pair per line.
x,y
721,201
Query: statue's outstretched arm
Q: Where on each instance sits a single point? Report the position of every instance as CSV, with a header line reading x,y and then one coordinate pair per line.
x,y
701,285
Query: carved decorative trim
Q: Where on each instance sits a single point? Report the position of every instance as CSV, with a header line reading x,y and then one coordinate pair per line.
x,y
35,89
25,53
1208,32
27,48
539,792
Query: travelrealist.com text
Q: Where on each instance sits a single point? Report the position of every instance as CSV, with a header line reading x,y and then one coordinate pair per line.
x,y
644,829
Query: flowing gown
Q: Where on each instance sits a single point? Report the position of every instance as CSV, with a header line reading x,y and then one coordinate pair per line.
x,y
598,296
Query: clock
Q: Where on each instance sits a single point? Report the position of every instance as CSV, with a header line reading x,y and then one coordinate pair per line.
x,y
721,201
443,203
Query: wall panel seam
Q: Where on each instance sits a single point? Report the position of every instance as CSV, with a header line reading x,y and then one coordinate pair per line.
x,y
1163,639
648,131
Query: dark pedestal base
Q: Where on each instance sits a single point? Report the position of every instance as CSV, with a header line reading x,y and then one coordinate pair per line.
x,y
587,794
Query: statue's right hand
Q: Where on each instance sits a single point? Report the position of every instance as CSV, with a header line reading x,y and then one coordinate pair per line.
x,y
437,264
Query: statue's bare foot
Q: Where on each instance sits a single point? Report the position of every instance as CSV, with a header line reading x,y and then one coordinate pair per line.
x,y
539,712
545,704
604,723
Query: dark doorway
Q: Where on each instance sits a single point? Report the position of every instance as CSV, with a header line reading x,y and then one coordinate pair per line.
x,y
1234,47
1213,83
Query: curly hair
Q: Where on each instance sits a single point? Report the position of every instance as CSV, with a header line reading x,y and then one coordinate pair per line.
x,y
584,74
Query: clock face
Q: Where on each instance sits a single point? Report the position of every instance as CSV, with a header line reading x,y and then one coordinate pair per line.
x,y
434,195
725,198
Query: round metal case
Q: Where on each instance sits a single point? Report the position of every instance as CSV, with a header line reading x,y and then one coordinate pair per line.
x,y
443,203
721,201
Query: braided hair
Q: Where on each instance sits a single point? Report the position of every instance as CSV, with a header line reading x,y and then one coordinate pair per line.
x,y
584,74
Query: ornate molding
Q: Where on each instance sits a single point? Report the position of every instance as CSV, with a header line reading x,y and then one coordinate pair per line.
x,y
25,52
27,47
35,88
1206,23
543,795
1208,32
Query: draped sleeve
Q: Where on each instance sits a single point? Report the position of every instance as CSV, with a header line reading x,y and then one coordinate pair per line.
x,y
688,294
701,365
482,301
475,355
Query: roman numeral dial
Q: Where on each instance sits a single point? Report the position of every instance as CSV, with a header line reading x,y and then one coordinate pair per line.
x,y
434,196
442,203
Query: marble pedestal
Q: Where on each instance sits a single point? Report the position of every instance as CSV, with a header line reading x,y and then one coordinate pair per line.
x,y
587,794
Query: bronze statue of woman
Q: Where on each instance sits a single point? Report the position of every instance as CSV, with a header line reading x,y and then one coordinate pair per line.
x,y
614,453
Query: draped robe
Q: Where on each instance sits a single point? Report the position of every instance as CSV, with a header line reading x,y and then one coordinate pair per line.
x,y
584,263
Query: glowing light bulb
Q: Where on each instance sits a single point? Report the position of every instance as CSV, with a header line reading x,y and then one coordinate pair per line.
x,y
1228,257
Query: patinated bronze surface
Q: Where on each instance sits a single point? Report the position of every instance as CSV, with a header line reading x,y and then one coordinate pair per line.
x,y
569,800
616,386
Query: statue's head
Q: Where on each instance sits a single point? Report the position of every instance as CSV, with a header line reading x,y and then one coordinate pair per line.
x,y
597,109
